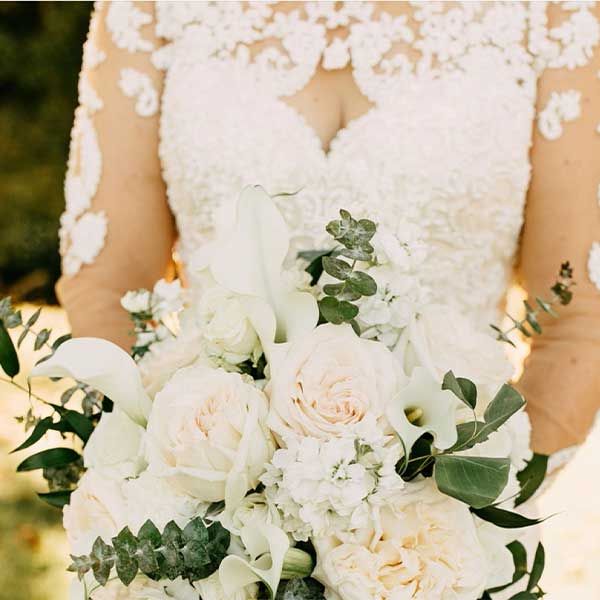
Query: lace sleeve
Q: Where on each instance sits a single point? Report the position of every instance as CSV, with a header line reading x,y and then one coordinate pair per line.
x,y
116,232
562,222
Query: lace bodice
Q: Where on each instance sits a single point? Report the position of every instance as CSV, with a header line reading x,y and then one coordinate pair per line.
x,y
444,146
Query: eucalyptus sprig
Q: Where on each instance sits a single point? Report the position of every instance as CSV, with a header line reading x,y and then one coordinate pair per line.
x,y
193,553
354,237
561,294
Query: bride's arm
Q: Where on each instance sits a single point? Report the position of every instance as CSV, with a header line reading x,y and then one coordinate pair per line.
x,y
117,232
562,375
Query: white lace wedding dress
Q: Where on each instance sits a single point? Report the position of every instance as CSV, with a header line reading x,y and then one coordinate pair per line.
x,y
444,147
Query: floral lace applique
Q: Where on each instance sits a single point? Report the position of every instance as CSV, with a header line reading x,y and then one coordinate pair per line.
x,y
562,107
594,264
123,21
138,85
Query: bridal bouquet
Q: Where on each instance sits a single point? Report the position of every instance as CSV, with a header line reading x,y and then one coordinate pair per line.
x,y
304,429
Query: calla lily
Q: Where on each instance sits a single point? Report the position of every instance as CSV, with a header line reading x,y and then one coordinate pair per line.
x,y
267,546
249,262
106,368
423,407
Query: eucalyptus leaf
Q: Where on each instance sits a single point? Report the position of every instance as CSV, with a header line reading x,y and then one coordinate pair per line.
x,y
464,389
54,457
531,477
504,518
34,317
363,283
56,498
9,361
476,481
37,433
103,560
125,545
301,589
42,337
337,268
80,424
537,569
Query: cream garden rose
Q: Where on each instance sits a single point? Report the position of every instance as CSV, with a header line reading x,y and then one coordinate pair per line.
x,y
329,381
206,427
426,546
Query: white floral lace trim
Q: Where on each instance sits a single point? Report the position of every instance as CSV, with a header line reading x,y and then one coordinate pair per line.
x,y
88,97
594,264
123,21
562,107
138,85
87,236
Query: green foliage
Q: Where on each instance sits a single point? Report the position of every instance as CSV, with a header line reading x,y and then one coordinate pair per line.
x,y
561,294
504,518
464,389
477,481
300,589
531,477
192,553
354,237
40,57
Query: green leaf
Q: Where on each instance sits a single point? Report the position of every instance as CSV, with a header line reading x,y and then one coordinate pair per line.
x,y
476,481
333,289
301,589
103,559
33,318
546,307
359,253
504,518
125,546
173,563
336,312
22,336
55,457
363,283
337,268
42,337
315,263
57,498
504,405
37,434
464,389
365,229
149,532
531,318
195,531
531,477
538,567
519,555
61,340
9,361
146,557
172,534
80,424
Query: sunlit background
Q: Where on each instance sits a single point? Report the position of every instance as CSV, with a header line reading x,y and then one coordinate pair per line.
x,y
40,55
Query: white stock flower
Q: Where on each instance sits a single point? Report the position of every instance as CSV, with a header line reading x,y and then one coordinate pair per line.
x,y
151,497
424,547
328,381
136,301
423,407
322,486
225,328
115,448
254,509
207,428
440,339
96,509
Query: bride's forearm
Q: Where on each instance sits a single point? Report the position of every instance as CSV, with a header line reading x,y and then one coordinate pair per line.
x,y
561,380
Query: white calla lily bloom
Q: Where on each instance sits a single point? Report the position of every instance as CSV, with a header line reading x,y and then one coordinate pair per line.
x,y
106,368
423,407
248,261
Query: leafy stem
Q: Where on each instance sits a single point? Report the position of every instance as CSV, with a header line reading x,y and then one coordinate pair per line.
x,y
561,294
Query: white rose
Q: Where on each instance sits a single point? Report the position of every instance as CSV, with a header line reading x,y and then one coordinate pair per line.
x,y
211,589
499,559
226,331
330,380
136,301
150,497
96,509
141,588
424,547
115,448
440,339
205,427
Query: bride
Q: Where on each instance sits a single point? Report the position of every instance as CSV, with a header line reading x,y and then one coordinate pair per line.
x,y
477,123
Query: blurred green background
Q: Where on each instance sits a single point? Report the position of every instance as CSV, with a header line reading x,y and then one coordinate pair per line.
x,y
40,58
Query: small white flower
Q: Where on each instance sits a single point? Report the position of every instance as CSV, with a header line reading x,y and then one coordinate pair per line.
x,y
166,298
594,264
136,301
